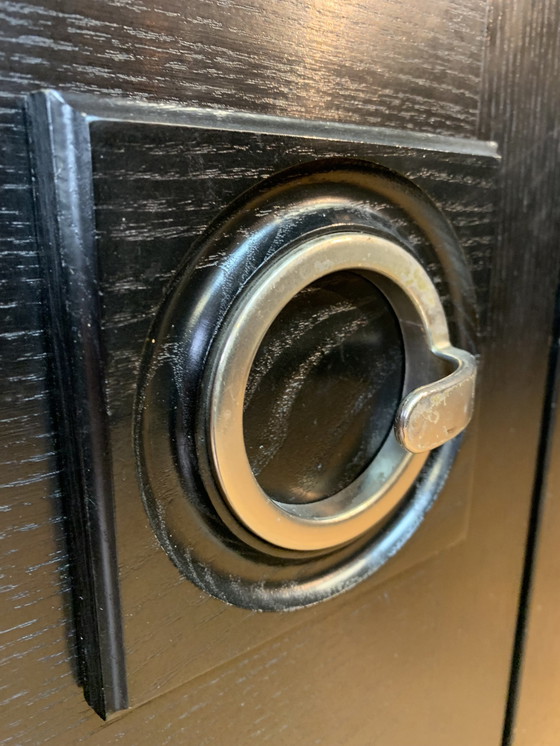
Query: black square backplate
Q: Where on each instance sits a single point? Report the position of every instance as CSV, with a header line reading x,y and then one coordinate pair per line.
x,y
123,193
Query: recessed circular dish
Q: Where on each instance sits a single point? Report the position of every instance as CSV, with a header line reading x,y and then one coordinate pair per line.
x,y
324,389
205,504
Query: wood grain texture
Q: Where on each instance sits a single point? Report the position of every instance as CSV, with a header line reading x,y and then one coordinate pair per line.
x,y
312,685
391,63
385,62
521,109
246,55
154,199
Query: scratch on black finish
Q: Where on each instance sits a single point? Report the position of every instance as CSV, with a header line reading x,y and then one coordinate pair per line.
x,y
63,188
324,389
122,110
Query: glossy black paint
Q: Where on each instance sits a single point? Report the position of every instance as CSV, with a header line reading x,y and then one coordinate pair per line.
x,y
327,195
167,217
428,652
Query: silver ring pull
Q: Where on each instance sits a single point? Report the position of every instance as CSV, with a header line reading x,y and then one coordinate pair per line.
x,y
431,412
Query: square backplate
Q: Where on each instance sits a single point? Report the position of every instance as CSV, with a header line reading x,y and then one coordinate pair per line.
x,y
123,192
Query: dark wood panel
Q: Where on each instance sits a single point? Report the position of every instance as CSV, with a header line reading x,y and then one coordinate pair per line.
x,y
208,54
157,188
464,623
147,226
533,715
314,684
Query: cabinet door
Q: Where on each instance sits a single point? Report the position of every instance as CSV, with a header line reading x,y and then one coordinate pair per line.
x,y
420,651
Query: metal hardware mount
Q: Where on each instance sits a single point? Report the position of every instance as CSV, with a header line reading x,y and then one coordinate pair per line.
x,y
431,412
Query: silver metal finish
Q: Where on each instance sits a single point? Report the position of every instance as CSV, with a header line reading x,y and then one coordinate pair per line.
x,y
432,411
433,414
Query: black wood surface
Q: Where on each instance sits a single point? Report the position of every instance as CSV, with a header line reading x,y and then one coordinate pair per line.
x,y
439,638
63,186
128,163
157,186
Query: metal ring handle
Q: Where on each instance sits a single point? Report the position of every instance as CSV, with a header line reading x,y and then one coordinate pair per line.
x,y
429,414
433,414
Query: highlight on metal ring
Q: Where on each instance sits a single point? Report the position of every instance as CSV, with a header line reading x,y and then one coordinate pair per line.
x,y
432,411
